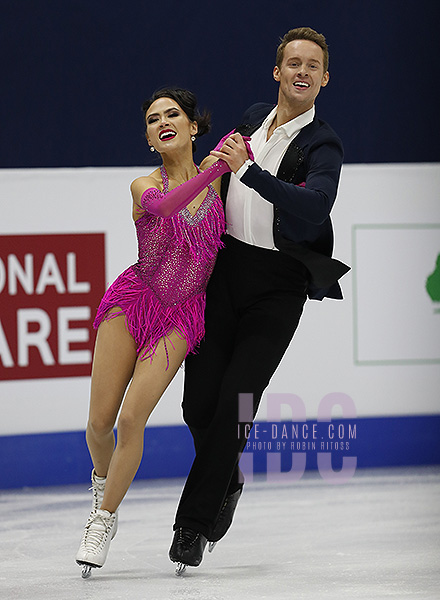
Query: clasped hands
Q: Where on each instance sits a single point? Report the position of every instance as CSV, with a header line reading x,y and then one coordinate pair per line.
x,y
234,149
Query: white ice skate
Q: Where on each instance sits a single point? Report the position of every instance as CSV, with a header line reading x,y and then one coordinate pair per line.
x,y
98,533
98,488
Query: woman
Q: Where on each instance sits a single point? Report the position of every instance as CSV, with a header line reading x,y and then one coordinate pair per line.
x,y
151,317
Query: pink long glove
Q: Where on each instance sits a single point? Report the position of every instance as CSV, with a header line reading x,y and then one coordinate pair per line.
x,y
246,140
166,205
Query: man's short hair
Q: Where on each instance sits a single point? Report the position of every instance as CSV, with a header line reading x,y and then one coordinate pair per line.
x,y
302,33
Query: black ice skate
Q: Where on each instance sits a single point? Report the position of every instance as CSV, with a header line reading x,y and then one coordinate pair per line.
x,y
187,548
224,520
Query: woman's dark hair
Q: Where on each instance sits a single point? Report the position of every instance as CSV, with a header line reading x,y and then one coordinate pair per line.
x,y
187,102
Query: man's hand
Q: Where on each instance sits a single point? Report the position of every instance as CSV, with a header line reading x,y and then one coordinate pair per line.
x,y
233,152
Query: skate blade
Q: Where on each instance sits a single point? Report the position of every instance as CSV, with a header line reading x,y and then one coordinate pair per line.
x,y
180,569
86,571
211,546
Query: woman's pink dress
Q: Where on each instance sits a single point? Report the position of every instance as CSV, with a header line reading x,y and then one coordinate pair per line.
x,y
165,290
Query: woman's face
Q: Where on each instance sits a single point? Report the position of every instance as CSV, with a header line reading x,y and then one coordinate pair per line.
x,y
168,126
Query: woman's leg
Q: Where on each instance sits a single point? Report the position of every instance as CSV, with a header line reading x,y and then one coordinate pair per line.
x,y
113,365
150,380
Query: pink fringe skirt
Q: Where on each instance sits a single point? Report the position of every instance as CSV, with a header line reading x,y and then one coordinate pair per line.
x,y
147,319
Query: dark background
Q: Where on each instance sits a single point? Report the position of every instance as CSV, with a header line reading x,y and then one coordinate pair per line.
x,y
75,73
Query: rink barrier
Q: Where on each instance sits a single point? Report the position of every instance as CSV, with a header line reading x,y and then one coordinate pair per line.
x,y
62,458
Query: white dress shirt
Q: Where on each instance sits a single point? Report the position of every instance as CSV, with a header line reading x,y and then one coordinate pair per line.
x,y
249,217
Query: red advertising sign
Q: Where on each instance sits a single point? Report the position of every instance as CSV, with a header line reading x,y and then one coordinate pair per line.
x,y
50,288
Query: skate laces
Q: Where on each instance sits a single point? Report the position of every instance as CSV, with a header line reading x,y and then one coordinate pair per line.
x,y
97,529
187,536
97,490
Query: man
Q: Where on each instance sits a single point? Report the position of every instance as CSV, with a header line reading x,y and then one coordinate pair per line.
x,y
277,251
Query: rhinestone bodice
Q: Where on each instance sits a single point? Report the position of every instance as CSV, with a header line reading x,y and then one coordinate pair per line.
x,y
176,254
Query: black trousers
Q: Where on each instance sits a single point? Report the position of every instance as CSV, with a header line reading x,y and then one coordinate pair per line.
x,y
254,303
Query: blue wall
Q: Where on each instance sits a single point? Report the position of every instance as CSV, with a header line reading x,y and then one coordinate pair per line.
x,y
62,458
76,72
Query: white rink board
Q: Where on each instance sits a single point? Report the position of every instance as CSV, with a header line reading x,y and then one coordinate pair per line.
x,y
401,323
322,357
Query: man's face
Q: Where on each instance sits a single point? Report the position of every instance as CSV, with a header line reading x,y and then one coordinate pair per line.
x,y
301,74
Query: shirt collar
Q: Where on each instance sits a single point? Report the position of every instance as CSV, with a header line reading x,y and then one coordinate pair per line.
x,y
293,126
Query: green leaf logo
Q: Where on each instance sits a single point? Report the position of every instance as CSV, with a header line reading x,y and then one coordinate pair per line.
x,y
433,283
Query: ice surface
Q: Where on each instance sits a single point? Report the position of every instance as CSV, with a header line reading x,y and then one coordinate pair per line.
x,y
376,537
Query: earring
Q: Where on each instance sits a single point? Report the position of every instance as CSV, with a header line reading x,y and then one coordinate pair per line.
x,y
193,138
152,149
